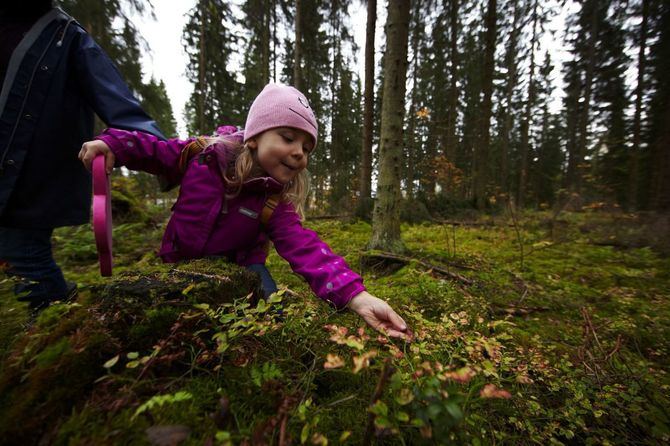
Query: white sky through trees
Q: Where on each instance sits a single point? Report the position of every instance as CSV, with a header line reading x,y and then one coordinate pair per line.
x,y
167,59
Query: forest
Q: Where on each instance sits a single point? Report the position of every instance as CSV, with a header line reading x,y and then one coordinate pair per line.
x,y
503,182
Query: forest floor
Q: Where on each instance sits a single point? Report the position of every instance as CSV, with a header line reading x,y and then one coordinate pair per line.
x,y
528,330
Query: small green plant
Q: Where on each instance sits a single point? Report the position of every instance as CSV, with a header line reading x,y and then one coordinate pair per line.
x,y
266,372
162,400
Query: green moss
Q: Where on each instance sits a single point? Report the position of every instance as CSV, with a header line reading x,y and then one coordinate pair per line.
x,y
52,353
521,324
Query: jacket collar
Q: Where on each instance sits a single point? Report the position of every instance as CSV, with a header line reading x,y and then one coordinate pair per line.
x,y
22,48
263,184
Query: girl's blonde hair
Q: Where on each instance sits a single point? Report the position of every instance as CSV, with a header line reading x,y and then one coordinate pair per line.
x,y
239,163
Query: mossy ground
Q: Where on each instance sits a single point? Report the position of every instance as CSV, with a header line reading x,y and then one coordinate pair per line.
x,y
559,334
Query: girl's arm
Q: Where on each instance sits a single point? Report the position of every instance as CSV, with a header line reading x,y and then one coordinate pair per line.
x,y
327,273
137,151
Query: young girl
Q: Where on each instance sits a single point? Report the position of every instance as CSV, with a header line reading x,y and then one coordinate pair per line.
x,y
227,187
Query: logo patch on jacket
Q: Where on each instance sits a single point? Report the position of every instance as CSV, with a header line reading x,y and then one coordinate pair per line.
x,y
248,212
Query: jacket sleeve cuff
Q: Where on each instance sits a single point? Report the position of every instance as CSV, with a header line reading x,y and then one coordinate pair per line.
x,y
115,146
342,297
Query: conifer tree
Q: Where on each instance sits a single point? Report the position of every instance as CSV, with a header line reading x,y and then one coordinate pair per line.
x,y
313,79
596,100
506,108
344,106
611,102
208,41
417,156
641,39
122,43
157,105
451,139
385,222
480,167
545,173
580,72
260,36
368,107
658,138
471,92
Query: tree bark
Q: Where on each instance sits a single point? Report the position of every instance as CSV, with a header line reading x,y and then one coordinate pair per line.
x,y
527,118
410,148
368,102
586,105
201,71
265,45
452,111
386,215
660,171
274,40
297,49
639,92
480,170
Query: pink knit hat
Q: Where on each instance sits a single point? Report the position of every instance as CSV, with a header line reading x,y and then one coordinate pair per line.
x,y
280,106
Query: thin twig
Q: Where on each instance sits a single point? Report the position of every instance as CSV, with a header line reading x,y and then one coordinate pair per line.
x,y
282,430
203,275
341,400
387,371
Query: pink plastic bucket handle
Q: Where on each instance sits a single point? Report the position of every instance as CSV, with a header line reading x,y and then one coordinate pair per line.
x,y
102,215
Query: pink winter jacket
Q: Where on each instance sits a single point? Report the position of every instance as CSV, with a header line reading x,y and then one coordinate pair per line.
x,y
205,223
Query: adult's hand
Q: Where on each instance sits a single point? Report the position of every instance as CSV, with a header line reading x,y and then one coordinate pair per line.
x,y
91,149
379,315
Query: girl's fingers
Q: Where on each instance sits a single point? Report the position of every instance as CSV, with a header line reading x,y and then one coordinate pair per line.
x,y
89,150
396,320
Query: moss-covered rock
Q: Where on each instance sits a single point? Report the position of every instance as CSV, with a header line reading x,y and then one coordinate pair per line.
x,y
54,366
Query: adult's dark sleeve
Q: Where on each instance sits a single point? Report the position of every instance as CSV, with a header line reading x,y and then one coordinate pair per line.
x,y
106,91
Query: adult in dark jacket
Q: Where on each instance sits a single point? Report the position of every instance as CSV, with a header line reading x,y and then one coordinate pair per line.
x,y
54,77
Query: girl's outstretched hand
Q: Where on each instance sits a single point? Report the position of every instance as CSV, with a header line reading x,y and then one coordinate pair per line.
x,y
91,149
379,315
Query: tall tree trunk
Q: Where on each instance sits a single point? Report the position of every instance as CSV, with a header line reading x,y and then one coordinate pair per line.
x,y
410,146
452,111
297,49
368,102
639,92
480,170
410,140
201,73
586,104
336,174
386,216
660,171
527,117
511,63
265,45
274,40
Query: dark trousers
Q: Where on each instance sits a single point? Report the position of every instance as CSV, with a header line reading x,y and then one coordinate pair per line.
x,y
28,254
268,283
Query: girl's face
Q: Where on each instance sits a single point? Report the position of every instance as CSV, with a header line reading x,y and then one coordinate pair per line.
x,y
282,152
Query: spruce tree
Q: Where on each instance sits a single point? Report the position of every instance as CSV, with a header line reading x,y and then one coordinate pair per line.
x,y
123,44
611,102
209,44
642,34
386,216
481,170
259,26
345,111
545,172
365,180
658,138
